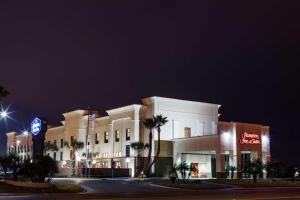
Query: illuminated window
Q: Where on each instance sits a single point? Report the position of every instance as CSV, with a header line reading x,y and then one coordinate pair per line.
x,y
117,164
128,134
226,158
187,132
105,137
117,136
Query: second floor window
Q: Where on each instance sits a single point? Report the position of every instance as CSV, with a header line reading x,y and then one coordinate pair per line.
x,y
117,136
128,134
96,138
187,132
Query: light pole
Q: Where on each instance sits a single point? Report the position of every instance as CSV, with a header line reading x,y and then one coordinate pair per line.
x,y
3,114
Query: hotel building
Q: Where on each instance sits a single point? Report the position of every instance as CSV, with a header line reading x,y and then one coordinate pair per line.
x,y
193,135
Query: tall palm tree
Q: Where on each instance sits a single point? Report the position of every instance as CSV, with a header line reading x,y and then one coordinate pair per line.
x,y
138,147
75,145
3,93
159,121
149,123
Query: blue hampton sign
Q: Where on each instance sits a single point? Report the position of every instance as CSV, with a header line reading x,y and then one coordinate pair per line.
x,y
36,126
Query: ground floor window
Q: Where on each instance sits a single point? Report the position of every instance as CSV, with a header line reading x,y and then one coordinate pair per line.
x,y
226,159
127,150
245,161
117,164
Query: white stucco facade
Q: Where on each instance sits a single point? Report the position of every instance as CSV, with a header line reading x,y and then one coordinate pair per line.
x,y
193,134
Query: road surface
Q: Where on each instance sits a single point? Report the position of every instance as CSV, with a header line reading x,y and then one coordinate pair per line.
x,y
135,189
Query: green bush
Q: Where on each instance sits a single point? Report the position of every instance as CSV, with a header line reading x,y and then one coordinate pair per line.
x,y
39,168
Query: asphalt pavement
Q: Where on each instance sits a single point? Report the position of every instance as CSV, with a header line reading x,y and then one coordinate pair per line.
x,y
139,189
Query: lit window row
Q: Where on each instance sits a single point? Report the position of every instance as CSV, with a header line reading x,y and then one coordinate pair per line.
x,y
117,154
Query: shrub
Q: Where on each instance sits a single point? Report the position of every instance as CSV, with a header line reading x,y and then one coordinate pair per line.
x,y
39,168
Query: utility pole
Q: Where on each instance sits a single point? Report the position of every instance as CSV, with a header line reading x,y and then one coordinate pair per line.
x,y
86,143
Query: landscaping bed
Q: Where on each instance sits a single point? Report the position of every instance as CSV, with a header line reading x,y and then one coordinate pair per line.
x,y
55,188
248,183
191,184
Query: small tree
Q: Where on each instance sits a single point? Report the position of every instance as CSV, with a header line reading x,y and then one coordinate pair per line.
x,y
230,169
48,146
255,168
75,145
40,168
269,166
182,168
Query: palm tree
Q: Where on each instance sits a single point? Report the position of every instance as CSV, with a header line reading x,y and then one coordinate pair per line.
x,y
149,124
138,147
255,168
232,170
48,146
159,121
75,145
182,168
3,93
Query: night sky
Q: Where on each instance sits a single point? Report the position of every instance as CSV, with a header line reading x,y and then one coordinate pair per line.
x,y
59,56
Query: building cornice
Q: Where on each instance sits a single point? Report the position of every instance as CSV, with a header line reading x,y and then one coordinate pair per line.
x,y
133,107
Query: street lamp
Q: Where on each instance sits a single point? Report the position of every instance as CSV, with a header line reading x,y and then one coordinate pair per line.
x,y
3,114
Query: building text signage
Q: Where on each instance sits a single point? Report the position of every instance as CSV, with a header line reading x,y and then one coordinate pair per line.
x,y
250,138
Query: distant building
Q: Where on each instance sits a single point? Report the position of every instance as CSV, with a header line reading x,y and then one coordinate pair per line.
x,y
193,135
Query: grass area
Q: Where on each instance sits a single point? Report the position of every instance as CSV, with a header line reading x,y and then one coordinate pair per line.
x,y
260,183
57,188
193,185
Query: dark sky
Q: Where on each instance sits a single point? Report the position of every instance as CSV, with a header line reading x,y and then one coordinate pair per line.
x,y
59,56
